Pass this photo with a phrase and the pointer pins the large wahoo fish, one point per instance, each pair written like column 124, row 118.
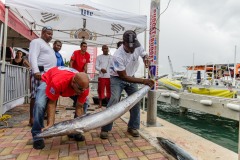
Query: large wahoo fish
column 99, row 119
column 176, row 151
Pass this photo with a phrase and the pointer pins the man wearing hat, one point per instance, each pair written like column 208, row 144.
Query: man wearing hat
column 122, row 69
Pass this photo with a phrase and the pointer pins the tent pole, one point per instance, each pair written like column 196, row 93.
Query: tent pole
column 3, row 61
column 144, row 69
column 1, row 33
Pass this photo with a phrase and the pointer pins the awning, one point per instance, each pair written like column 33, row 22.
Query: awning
column 19, row 35
column 75, row 20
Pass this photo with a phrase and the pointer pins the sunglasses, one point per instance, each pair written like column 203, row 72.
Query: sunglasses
column 47, row 28
column 78, row 86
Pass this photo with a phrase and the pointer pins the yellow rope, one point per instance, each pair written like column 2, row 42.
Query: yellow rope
column 4, row 118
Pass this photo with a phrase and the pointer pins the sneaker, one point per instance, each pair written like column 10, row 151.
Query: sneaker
column 103, row 135
column 79, row 137
column 39, row 144
column 133, row 132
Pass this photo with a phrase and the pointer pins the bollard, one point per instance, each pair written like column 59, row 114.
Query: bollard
column 152, row 108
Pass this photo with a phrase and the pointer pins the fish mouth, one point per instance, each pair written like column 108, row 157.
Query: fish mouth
column 160, row 139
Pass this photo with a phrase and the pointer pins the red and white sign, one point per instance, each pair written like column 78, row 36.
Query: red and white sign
column 91, row 66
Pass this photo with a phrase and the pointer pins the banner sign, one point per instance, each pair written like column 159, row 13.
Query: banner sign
column 154, row 38
column 91, row 66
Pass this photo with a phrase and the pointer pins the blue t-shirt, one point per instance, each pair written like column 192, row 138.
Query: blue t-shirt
column 59, row 59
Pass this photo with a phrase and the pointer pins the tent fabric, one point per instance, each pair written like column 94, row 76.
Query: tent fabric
column 18, row 33
column 75, row 20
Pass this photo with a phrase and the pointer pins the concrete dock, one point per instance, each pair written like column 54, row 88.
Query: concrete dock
column 16, row 143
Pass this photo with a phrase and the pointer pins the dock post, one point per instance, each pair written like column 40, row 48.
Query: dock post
column 239, row 137
column 152, row 108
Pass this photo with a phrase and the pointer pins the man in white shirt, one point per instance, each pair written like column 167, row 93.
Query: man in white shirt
column 102, row 65
column 123, row 66
column 42, row 58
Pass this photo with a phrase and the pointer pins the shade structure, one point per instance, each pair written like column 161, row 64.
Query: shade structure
column 76, row 20
column 19, row 34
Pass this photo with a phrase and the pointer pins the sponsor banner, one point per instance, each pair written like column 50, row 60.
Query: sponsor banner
column 154, row 37
column 153, row 69
column 91, row 66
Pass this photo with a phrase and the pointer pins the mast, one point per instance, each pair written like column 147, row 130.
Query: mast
column 171, row 67
column 234, row 71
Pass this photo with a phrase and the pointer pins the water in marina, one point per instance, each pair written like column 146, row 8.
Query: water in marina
column 221, row 131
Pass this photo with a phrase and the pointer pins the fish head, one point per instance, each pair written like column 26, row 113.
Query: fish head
column 60, row 129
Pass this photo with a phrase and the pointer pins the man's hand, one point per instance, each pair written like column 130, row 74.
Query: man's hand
column 148, row 82
column 37, row 76
column 48, row 126
column 103, row 70
column 146, row 61
column 79, row 109
column 51, row 110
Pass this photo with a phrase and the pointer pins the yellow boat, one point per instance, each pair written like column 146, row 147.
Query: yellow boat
column 211, row 91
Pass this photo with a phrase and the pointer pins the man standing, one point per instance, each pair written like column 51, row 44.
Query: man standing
column 41, row 58
column 57, row 45
column 102, row 65
column 80, row 58
column 79, row 61
column 122, row 69
column 58, row 81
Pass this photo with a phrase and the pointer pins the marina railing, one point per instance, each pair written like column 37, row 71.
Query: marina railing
column 16, row 84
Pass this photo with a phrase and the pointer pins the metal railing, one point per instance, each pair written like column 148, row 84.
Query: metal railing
column 16, row 84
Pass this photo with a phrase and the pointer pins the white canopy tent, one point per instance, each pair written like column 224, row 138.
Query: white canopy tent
column 77, row 20
column 72, row 21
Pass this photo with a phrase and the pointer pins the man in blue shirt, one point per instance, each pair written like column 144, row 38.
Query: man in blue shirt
column 57, row 45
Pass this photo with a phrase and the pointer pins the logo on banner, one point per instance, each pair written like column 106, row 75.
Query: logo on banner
column 86, row 10
column 117, row 27
column 83, row 34
column 46, row 17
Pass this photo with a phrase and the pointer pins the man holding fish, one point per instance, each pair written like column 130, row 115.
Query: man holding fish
column 58, row 81
column 122, row 69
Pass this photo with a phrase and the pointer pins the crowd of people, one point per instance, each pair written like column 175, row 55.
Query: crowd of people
column 51, row 79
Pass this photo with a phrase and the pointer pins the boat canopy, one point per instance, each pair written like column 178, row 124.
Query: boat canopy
column 76, row 20
column 214, row 67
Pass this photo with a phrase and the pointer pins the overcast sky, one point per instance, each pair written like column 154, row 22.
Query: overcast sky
column 209, row 29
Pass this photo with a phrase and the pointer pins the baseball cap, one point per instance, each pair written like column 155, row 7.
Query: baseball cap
column 131, row 38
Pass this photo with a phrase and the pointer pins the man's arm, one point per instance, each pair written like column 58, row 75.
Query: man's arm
column 79, row 109
column 85, row 67
column 51, row 109
column 97, row 66
column 34, row 51
column 71, row 63
column 123, row 75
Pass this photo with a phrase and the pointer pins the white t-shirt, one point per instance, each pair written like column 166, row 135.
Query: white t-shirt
column 41, row 54
column 103, row 61
column 126, row 61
